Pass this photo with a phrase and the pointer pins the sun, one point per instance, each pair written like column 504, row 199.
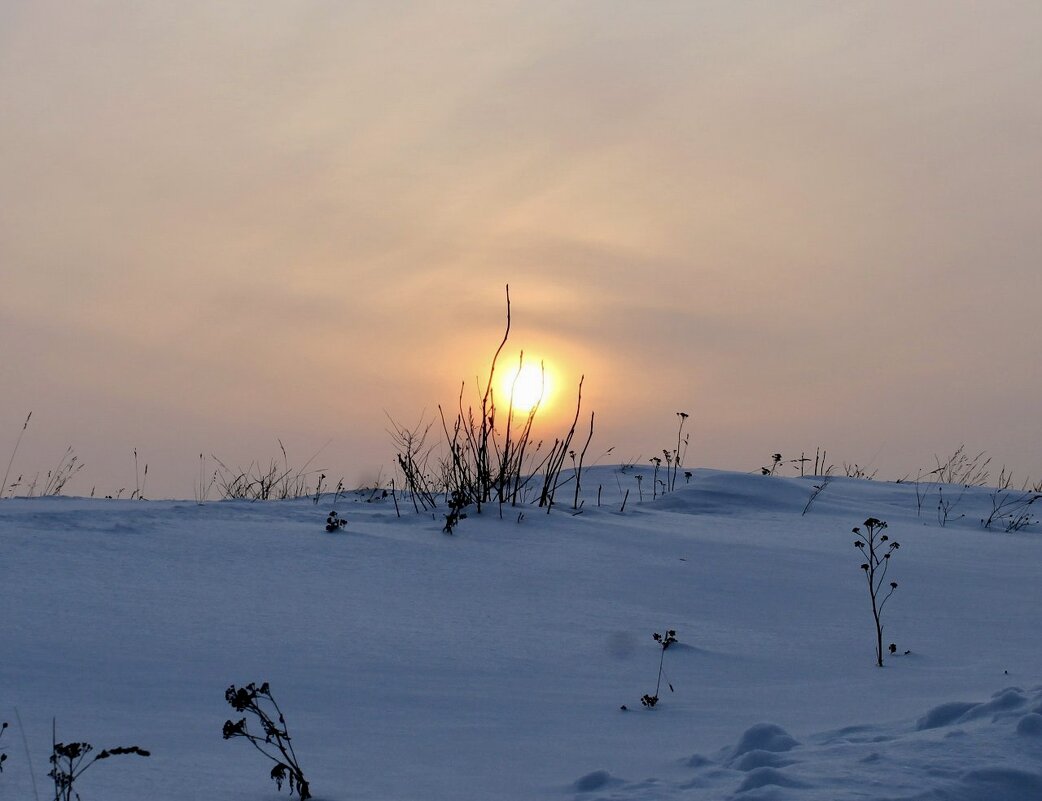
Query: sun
column 525, row 387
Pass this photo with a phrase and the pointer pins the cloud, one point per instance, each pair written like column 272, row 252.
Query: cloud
column 754, row 208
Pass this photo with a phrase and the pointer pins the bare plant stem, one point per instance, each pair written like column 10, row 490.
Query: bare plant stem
column 818, row 489
column 579, row 468
column 877, row 562
column 658, row 682
column 28, row 756
column 7, row 473
column 557, row 456
column 678, row 457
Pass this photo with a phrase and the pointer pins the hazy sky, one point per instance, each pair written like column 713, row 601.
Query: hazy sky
column 804, row 223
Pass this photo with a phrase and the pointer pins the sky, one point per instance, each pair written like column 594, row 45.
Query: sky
column 805, row 224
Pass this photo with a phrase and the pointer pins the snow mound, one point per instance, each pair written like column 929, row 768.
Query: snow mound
column 990, row 784
column 1003, row 701
column 698, row 761
column 595, row 780
column 714, row 492
column 763, row 777
column 764, row 737
column 944, row 715
column 982, row 758
column 490, row 666
column 1030, row 725
column 760, row 759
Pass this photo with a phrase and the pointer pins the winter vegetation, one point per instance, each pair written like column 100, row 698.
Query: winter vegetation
column 511, row 660
column 506, row 661
column 273, row 740
column 69, row 761
column 589, row 538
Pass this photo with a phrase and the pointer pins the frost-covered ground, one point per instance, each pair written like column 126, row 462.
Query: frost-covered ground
column 492, row 664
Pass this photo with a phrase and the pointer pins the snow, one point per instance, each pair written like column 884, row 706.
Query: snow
column 493, row 664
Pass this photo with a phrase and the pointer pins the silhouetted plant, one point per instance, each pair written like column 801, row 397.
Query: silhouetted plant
column 318, row 489
column 961, row 468
column 920, row 493
column 775, row 461
column 816, row 491
column 490, row 456
column 1010, row 510
column 14, row 452
column 334, row 522
column 946, row 506
column 139, row 481
column 876, row 547
column 577, row 469
column 457, row 503
column 856, row 471
column 258, row 701
column 821, row 464
column 680, row 452
column 413, row 459
column 278, row 481
column 202, row 487
column 54, row 481
column 554, row 461
column 664, row 640
column 70, row 760
column 3, row 756
column 654, row 476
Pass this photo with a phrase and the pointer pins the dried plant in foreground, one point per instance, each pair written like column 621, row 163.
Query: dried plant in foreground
column 876, row 548
column 335, row 522
column 664, row 640
column 258, row 702
column 70, row 760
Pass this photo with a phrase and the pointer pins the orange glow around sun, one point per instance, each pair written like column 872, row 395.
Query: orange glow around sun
column 525, row 386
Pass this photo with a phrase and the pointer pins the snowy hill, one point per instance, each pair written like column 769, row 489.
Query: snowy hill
column 493, row 664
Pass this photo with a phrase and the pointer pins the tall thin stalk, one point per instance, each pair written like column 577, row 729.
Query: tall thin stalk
column 678, row 457
column 579, row 467
column 664, row 640
column 7, row 472
column 251, row 699
column 876, row 548
column 558, row 452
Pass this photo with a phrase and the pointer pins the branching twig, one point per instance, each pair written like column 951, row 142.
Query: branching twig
column 252, row 699
column 877, row 554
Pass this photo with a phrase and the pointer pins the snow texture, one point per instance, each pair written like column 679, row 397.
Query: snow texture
column 493, row 664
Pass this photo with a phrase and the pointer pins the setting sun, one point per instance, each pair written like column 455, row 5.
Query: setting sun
column 526, row 387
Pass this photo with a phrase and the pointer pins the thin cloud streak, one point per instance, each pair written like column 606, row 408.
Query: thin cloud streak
column 810, row 223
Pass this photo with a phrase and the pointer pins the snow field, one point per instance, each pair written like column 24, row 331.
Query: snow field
column 492, row 664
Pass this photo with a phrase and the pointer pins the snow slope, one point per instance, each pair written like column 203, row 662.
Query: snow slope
column 492, row 664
